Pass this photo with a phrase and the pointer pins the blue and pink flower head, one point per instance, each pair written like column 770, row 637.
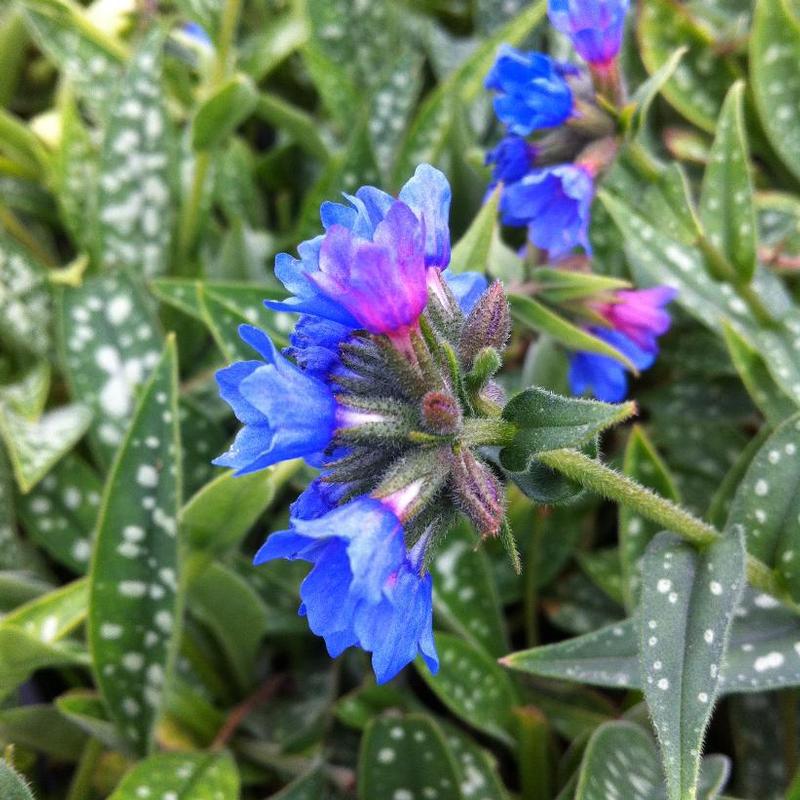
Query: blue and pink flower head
column 370, row 274
column 552, row 198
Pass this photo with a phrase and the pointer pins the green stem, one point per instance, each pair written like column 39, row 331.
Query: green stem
column 531, row 587
column 479, row 431
column 533, row 758
column 611, row 484
column 81, row 786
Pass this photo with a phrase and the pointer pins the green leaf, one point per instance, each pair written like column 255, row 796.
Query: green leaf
column 300, row 125
column 235, row 615
column 767, row 504
column 561, row 285
column 34, row 447
column 477, row 769
column 90, row 58
column 462, row 574
column 135, row 598
column 774, row 53
column 27, row 396
column 701, row 79
column 307, row 787
column 473, row 248
column 134, row 195
column 727, row 209
column 547, row 421
column 87, row 710
column 773, row 402
column 24, row 300
column 621, row 754
column 472, row 686
column 270, row 46
column 647, row 92
column 109, row 341
column 40, row 727
column 642, row 463
column 223, row 511
column 602, row 567
column 688, row 603
column 223, row 112
column 534, row 315
column 181, row 776
column 406, row 755
column 60, row 512
column 12, row 785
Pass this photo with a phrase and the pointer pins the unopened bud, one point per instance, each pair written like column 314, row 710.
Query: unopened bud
column 488, row 325
column 412, row 481
column 478, row 493
column 441, row 412
column 359, row 418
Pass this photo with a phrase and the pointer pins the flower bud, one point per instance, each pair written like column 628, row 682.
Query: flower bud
column 488, row 325
column 478, row 493
column 441, row 412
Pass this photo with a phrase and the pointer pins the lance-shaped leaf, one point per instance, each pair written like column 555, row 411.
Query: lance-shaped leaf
column 701, row 79
column 24, row 300
column 538, row 317
column 60, row 512
column 472, row 250
column 477, row 770
column 642, row 463
column 181, row 776
column 767, row 504
column 35, row 446
column 647, row 92
column 472, row 686
column 547, row 421
column 12, row 784
column 88, row 711
column 774, row 55
column 408, row 756
column 222, row 113
column 560, row 285
column 462, row 574
column 109, row 342
column 726, row 201
column 135, row 598
column 770, row 398
column 687, row 606
column 134, row 200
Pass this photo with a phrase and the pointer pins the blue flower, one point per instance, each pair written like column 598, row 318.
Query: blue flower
column 532, row 91
column 368, row 269
column 365, row 588
column 601, row 375
column 595, row 27
column 467, row 287
column 554, row 202
column 286, row 413
column 511, row 159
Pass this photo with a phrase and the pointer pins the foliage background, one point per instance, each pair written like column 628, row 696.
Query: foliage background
column 146, row 180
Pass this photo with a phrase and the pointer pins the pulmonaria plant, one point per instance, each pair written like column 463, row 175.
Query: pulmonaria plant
column 386, row 388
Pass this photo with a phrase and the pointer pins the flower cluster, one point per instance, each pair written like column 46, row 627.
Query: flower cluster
column 549, row 182
column 387, row 389
column 558, row 139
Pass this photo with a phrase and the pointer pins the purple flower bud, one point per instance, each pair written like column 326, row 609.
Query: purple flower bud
column 488, row 325
column 532, row 91
column 441, row 412
column 595, row 27
column 478, row 493
column 554, row 202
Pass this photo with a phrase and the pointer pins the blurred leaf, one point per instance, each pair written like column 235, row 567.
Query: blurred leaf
column 24, row 300
column 726, row 201
column 221, row 114
column 181, row 776
column 647, row 92
column 40, row 727
column 547, row 421
column 306, row 787
column 701, row 79
column 235, row 615
column 88, row 711
column 472, row 686
column 477, row 769
column 406, row 754
column 767, row 504
column 135, row 604
column 109, row 341
column 34, row 447
column 462, row 574
column 534, row 315
column 60, row 512
column 222, row 512
column 134, row 195
column 774, row 52
column 560, row 285
column 268, row 47
column 27, row 396
column 687, row 606
column 473, row 248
